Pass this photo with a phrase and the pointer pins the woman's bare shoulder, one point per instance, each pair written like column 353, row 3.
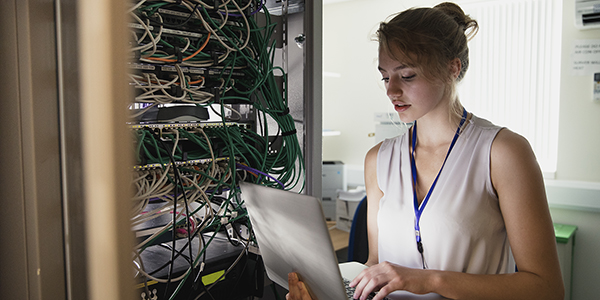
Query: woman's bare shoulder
column 509, row 145
column 514, row 165
column 371, row 157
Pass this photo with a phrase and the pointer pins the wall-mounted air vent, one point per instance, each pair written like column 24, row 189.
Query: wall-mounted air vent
column 587, row 14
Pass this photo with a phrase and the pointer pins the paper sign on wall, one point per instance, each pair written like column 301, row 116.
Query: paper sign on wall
column 585, row 57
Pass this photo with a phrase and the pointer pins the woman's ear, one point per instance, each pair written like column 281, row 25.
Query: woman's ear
column 455, row 67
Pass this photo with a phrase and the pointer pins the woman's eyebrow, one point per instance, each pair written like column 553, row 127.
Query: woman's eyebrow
column 400, row 67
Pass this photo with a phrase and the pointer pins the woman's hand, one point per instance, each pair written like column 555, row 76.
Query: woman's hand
column 386, row 277
column 298, row 289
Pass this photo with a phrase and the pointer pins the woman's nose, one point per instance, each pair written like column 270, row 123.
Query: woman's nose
column 394, row 89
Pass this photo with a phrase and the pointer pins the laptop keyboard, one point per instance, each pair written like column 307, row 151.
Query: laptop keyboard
column 350, row 291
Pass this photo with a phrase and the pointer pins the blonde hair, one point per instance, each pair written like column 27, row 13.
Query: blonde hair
column 429, row 39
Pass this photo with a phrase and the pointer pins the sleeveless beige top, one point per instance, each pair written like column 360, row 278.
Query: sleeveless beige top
column 462, row 228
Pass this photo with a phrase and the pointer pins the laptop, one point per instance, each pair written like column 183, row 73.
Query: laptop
column 292, row 236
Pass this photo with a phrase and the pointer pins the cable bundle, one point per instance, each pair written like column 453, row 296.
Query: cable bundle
column 211, row 54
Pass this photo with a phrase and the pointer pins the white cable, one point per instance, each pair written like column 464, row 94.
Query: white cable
column 136, row 6
column 153, row 39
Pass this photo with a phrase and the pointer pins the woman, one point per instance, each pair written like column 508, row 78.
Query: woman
column 447, row 198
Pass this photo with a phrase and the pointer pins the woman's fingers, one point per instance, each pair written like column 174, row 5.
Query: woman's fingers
column 293, row 286
column 297, row 288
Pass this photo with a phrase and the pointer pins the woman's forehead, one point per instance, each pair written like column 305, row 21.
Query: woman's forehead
column 386, row 54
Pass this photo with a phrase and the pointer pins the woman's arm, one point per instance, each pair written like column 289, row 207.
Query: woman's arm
column 374, row 194
column 519, row 184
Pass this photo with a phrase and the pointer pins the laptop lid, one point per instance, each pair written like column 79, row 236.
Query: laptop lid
column 292, row 236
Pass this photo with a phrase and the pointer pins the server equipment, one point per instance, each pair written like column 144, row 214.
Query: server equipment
column 210, row 110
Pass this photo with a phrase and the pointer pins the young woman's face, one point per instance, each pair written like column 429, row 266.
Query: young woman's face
column 412, row 95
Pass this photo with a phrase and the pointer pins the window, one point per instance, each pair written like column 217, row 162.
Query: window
column 514, row 74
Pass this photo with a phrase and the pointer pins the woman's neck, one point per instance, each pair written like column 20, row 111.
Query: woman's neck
column 436, row 129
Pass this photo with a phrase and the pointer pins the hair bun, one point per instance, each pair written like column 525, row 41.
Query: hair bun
column 455, row 12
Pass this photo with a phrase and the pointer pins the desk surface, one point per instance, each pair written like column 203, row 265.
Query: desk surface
column 339, row 238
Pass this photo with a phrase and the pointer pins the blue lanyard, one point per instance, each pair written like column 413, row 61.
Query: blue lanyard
column 419, row 210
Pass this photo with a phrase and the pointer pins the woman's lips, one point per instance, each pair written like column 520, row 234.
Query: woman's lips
column 401, row 107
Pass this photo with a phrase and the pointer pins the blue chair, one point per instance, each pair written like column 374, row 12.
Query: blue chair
column 358, row 244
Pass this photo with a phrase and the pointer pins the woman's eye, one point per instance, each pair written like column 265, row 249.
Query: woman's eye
column 385, row 79
column 409, row 77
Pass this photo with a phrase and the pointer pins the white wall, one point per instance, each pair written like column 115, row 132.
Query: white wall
column 579, row 133
column 350, row 101
column 578, row 159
